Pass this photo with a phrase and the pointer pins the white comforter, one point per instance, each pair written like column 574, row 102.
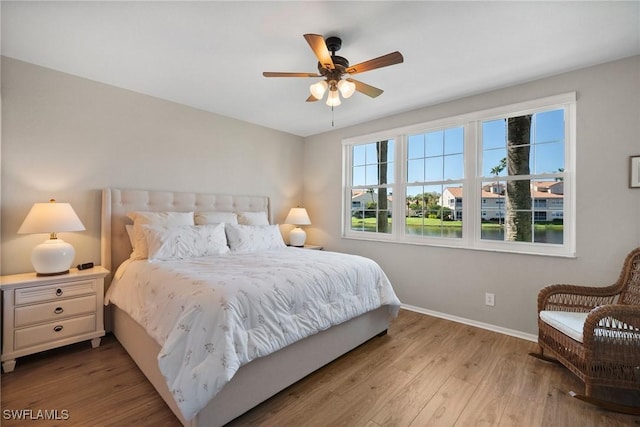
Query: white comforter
column 212, row 315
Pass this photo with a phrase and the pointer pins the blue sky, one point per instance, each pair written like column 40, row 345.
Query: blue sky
column 438, row 155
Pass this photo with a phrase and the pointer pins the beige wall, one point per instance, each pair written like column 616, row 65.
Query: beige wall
column 454, row 281
column 67, row 138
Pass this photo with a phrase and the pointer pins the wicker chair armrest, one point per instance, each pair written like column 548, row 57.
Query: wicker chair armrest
column 565, row 297
column 615, row 329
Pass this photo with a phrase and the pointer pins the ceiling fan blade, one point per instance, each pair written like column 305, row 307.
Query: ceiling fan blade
column 277, row 74
column 379, row 62
column 319, row 47
column 366, row 89
column 312, row 98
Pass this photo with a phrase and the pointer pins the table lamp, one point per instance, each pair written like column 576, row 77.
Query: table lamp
column 54, row 256
column 297, row 216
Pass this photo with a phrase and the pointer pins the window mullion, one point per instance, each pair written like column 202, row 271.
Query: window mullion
column 471, row 186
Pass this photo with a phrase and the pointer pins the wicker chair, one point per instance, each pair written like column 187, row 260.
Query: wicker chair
column 603, row 347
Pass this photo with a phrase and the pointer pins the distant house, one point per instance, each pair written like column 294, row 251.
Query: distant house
column 548, row 201
column 360, row 199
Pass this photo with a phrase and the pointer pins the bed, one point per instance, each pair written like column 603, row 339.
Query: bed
column 263, row 375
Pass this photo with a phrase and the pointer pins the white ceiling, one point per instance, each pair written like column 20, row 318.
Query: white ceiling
column 211, row 55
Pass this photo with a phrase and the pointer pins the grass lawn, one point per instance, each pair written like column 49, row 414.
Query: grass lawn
column 434, row 222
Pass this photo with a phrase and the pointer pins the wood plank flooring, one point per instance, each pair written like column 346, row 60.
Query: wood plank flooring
column 425, row 372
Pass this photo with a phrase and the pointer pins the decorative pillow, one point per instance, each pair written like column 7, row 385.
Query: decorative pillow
column 253, row 238
column 129, row 228
column 185, row 241
column 253, row 218
column 167, row 219
column 202, row 218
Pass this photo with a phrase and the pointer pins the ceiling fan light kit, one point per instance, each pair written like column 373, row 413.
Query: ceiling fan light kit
column 333, row 68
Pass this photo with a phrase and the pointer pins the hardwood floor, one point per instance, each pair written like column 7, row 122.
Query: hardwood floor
column 426, row 371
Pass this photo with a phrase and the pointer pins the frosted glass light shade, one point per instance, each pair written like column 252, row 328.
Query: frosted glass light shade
column 53, row 256
column 333, row 100
column 346, row 88
column 318, row 89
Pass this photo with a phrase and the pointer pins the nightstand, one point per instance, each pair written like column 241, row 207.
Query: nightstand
column 45, row 312
column 313, row 247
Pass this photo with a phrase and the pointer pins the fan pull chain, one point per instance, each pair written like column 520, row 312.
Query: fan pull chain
column 332, row 116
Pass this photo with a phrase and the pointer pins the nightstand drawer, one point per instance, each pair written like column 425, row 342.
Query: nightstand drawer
column 51, row 311
column 53, row 292
column 54, row 331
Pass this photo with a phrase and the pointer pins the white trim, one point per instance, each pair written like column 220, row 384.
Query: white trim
column 481, row 325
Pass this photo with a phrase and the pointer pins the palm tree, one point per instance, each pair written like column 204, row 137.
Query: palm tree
column 496, row 170
column 383, row 213
column 519, row 218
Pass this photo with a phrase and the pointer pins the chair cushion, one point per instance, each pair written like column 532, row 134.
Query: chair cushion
column 568, row 323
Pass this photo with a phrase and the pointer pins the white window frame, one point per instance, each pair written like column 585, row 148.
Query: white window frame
column 471, row 182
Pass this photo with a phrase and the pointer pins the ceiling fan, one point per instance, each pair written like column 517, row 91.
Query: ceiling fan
column 333, row 68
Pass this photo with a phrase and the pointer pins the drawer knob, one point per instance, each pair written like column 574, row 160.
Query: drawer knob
column 58, row 310
column 57, row 328
column 58, row 292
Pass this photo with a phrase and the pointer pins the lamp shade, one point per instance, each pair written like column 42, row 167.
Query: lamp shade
column 298, row 216
column 53, row 256
column 51, row 217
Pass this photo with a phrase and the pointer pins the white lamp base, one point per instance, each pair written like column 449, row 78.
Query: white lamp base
column 297, row 237
column 52, row 257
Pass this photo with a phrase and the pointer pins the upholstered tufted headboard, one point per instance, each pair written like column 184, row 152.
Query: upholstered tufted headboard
column 116, row 203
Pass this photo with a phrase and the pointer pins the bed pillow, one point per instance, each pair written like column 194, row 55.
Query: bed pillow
column 253, row 218
column 167, row 219
column 202, row 218
column 253, row 238
column 184, row 241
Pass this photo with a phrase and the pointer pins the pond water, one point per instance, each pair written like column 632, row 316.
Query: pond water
column 540, row 236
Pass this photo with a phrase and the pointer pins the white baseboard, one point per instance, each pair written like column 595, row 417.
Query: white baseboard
column 487, row 326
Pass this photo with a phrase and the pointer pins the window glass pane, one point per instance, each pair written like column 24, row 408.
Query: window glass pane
column 434, row 211
column 435, row 144
column 390, row 173
column 549, row 126
column 494, row 134
column 415, row 170
column 493, row 210
column 433, row 169
column 453, row 167
column 359, row 175
column 415, row 147
column 494, row 162
column 358, row 155
column 547, row 158
column 371, row 153
column 454, row 141
column 371, row 210
column 390, row 150
column 371, row 175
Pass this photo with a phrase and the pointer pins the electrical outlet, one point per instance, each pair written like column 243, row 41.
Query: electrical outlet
column 489, row 299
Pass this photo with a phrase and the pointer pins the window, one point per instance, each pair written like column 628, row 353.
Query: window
column 499, row 179
column 371, row 186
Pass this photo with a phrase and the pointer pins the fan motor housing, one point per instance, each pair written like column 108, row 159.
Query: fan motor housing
column 339, row 62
